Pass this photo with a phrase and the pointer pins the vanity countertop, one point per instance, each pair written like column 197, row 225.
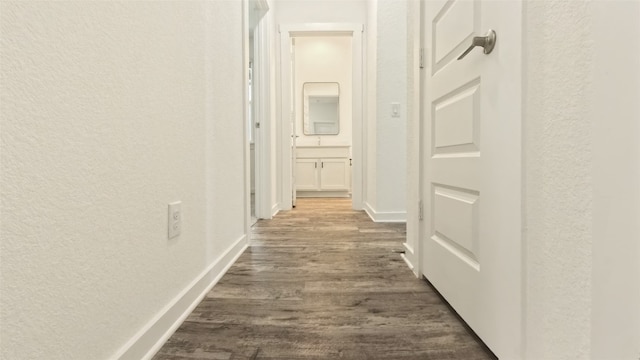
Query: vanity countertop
column 323, row 151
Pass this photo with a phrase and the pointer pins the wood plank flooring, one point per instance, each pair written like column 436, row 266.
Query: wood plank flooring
column 321, row 282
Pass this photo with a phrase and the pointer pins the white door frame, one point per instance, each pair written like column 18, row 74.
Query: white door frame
column 284, row 134
column 246, row 115
column 262, row 115
column 294, row 130
column 413, row 245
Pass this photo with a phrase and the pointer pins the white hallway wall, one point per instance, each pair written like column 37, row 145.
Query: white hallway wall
column 370, row 111
column 109, row 112
column 386, row 144
column 320, row 11
column 582, row 170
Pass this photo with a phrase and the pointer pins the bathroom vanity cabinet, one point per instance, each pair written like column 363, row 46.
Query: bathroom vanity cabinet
column 323, row 171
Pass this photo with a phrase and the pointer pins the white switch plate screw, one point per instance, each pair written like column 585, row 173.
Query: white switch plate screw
column 175, row 219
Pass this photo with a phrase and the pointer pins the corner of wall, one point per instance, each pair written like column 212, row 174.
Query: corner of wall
column 391, row 87
column 388, row 217
column 160, row 328
column 410, row 259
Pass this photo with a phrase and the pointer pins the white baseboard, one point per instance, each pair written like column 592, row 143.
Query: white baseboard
column 408, row 248
column 398, row 216
column 409, row 257
column 275, row 209
column 368, row 209
column 152, row 336
column 406, row 260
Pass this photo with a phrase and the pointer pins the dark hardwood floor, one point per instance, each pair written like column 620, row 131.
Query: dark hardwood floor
column 321, row 282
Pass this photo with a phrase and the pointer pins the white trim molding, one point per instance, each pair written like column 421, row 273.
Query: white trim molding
column 262, row 113
column 156, row 332
column 409, row 264
column 410, row 258
column 323, row 194
column 390, row 216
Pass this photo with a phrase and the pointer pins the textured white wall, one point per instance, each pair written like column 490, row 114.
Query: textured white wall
column 111, row 110
column 391, row 86
column 558, row 184
column 582, row 170
column 370, row 113
column 616, row 181
column 325, row 59
column 320, row 11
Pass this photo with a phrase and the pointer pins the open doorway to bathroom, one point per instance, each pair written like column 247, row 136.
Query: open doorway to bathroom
column 323, row 101
column 321, row 75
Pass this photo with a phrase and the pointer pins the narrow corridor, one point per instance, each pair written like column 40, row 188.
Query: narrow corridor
column 321, row 282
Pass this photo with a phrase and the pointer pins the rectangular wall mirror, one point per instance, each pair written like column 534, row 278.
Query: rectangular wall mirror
column 321, row 108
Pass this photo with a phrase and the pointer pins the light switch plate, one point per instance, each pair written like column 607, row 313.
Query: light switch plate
column 395, row 109
column 175, row 219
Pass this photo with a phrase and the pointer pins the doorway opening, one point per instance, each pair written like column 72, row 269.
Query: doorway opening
column 322, row 86
column 321, row 77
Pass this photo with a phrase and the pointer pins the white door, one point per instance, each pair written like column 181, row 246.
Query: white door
column 294, row 134
column 471, row 251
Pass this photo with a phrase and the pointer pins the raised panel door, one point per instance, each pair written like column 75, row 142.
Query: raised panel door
column 307, row 175
column 334, row 175
column 471, row 251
